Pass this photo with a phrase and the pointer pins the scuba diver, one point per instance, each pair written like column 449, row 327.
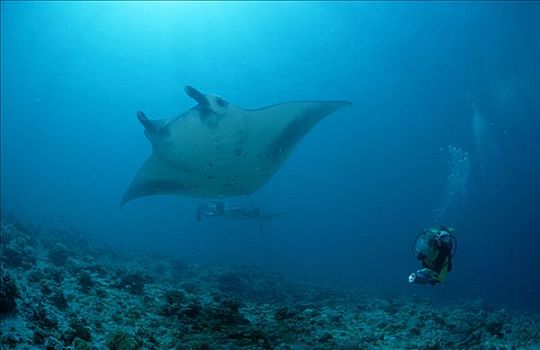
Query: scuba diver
column 210, row 209
column 435, row 247
column 219, row 208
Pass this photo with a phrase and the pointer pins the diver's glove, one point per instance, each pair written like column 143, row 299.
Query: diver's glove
column 424, row 276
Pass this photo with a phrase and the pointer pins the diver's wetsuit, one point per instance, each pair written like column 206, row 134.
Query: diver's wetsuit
column 441, row 263
column 436, row 258
column 440, row 260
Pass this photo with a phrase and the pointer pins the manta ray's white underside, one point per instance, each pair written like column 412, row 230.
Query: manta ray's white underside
column 219, row 150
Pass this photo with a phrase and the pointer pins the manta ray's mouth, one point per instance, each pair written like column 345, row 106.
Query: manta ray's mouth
column 196, row 95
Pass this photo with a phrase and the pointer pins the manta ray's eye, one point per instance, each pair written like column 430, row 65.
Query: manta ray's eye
column 221, row 102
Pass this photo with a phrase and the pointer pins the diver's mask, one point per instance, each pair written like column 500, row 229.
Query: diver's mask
column 444, row 238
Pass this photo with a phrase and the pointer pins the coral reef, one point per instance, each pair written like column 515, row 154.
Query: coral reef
column 8, row 293
column 58, row 294
column 133, row 282
column 58, row 254
column 120, row 340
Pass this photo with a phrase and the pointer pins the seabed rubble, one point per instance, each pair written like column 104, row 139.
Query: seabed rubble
column 61, row 290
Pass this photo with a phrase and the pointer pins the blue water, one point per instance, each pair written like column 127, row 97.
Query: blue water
column 444, row 129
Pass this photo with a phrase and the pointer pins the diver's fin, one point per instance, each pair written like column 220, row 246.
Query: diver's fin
column 258, row 217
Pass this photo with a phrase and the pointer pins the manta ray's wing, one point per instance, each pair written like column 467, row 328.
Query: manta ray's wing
column 273, row 134
column 153, row 178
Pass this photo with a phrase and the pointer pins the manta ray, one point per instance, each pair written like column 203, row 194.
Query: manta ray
column 217, row 150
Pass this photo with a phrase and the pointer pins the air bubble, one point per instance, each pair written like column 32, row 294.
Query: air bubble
column 459, row 165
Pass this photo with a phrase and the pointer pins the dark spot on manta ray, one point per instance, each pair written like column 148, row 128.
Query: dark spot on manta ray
column 210, row 164
column 237, row 152
column 210, row 177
